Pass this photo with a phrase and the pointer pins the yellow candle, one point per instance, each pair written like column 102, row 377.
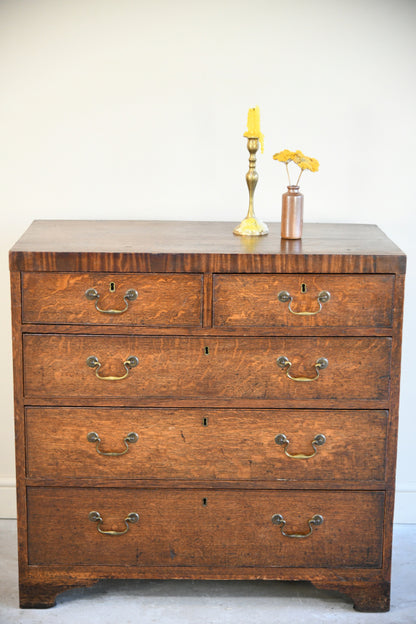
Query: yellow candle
column 253, row 126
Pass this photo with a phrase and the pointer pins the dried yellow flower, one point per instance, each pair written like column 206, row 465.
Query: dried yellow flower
column 315, row 164
column 285, row 156
column 303, row 162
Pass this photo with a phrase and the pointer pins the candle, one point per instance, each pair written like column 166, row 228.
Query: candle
column 253, row 126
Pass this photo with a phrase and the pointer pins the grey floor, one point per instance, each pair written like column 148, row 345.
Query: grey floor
column 208, row 602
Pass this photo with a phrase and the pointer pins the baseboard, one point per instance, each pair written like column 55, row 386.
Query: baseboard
column 405, row 507
column 7, row 497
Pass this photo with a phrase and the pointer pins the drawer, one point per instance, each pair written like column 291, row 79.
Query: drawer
column 194, row 367
column 205, row 444
column 204, row 528
column 155, row 300
column 253, row 300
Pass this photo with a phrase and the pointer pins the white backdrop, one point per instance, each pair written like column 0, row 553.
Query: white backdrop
column 133, row 109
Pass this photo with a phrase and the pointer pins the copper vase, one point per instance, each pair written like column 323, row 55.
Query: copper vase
column 292, row 213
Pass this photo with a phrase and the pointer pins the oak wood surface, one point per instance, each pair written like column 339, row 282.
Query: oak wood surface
column 41, row 583
column 206, row 444
column 19, row 424
column 252, row 300
column 137, row 246
column 135, row 330
column 233, row 528
column 163, row 299
column 223, row 368
column 356, row 399
column 371, row 597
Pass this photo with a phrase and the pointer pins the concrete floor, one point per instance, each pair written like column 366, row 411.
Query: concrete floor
column 208, row 602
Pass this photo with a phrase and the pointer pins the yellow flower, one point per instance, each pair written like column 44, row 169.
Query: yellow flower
column 305, row 162
column 285, row 156
column 315, row 164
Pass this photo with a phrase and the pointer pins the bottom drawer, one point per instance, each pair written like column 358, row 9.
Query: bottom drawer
column 218, row 528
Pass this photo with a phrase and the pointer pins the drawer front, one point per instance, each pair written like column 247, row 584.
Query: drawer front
column 191, row 367
column 252, row 300
column 205, row 444
column 204, row 528
column 163, row 299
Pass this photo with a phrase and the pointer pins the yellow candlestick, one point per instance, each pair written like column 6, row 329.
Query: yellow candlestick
column 253, row 126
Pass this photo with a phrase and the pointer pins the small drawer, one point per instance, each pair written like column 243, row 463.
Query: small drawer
column 188, row 367
column 202, row 444
column 141, row 299
column 303, row 300
column 218, row 528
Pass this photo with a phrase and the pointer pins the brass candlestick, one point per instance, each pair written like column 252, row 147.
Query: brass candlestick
column 251, row 226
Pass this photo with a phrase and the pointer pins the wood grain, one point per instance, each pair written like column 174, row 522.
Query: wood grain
column 163, row 299
column 188, row 276
column 159, row 246
column 251, row 301
column 373, row 597
column 206, row 444
column 176, row 529
column 182, row 367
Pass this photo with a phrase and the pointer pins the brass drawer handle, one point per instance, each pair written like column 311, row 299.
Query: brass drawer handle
column 95, row 516
column 323, row 297
column 285, row 364
column 315, row 521
column 318, row 440
column 92, row 294
column 130, row 438
column 131, row 362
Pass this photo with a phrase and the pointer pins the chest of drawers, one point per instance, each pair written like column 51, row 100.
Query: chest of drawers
column 191, row 404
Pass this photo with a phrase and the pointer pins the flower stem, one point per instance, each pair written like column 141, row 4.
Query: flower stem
column 297, row 181
column 287, row 170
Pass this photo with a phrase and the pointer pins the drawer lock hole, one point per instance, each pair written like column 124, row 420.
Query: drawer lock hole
column 112, row 287
column 204, row 502
column 205, row 421
column 206, row 350
column 303, row 288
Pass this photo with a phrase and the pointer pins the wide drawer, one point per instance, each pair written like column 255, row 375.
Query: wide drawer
column 193, row 367
column 253, row 300
column 204, row 444
column 204, row 528
column 142, row 299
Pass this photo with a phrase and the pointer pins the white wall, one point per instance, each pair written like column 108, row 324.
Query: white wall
column 135, row 110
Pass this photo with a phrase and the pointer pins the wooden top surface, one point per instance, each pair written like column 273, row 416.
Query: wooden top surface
column 201, row 246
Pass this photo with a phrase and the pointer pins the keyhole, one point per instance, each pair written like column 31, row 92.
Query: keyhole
column 204, row 502
column 206, row 350
column 112, row 287
column 205, row 421
column 303, row 288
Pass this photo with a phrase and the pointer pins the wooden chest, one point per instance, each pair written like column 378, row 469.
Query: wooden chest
column 193, row 405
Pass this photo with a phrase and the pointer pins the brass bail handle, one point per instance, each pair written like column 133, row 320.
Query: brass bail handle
column 131, row 518
column 318, row 440
column 94, row 438
column 285, row 297
column 315, row 521
column 93, row 362
column 285, row 364
column 93, row 295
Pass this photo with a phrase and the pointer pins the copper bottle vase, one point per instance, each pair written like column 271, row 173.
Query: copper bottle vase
column 292, row 213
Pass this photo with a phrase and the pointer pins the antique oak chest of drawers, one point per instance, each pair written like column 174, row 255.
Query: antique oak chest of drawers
column 193, row 405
